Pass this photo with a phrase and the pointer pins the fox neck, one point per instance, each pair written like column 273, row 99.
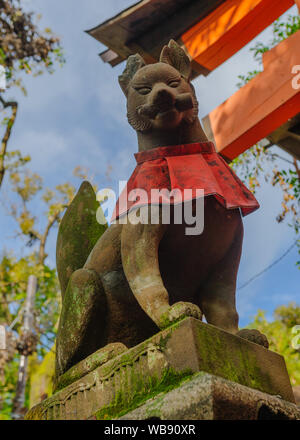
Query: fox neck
column 183, row 134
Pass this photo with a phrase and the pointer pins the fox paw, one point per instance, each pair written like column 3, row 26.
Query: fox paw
column 178, row 311
column 254, row 336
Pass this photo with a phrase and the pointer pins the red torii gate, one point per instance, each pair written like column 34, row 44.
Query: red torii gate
column 211, row 32
column 256, row 110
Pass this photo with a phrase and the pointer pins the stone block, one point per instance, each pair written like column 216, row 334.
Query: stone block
column 208, row 397
column 120, row 384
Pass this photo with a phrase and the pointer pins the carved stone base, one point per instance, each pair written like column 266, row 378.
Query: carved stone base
column 208, row 397
column 162, row 363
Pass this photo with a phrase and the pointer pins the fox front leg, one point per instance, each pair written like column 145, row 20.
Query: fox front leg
column 139, row 251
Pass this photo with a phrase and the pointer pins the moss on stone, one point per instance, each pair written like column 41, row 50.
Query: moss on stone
column 123, row 403
column 78, row 233
column 237, row 363
column 151, row 369
column 89, row 364
column 36, row 413
column 163, row 342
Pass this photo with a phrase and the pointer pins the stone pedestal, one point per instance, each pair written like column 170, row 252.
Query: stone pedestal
column 208, row 397
column 217, row 374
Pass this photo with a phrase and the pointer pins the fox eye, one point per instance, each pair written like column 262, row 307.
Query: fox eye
column 143, row 90
column 174, row 83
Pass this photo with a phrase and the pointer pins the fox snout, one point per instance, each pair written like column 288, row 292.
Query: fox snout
column 163, row 100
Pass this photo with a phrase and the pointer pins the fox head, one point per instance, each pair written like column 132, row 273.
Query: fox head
column 160, row 96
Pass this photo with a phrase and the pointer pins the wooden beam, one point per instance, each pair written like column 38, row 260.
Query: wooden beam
column 229, row 28
column 298, row 4
column 261, row 106
column 149, row 24
column 176, row 24
column 287, row 137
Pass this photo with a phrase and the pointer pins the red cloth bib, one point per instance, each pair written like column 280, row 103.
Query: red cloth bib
column 189, row 166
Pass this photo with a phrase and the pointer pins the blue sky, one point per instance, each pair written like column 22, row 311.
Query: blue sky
column 77, row 116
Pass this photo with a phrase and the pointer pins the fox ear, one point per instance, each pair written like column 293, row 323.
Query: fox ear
column 174, row 55
column 134, row 63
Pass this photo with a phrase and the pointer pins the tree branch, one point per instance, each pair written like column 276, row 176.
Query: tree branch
column 5, row 139
column 296, row 166
column 282, row 158
column 52, row 220
column 5, row 308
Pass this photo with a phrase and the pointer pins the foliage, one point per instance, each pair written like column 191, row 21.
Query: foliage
column 288, row 315
column 27, row 186
column 258, row 160
column 14, row 273
column 24, row 49
column 41, row 377
column 279, row 334
column 281, row 31
column 8, row 387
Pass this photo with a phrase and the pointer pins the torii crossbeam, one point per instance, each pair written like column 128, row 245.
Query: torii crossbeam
column 211, row 32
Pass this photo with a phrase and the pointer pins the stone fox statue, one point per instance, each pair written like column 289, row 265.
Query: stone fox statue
column 139, row 278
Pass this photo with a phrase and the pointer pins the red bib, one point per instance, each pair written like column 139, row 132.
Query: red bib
column 182, row 167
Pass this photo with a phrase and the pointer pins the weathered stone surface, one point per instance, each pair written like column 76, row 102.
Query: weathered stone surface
column 89, row 364
column 161, row 363
column 109, row 388
column 78, row 233
column 84, row 302
column 208, row 397
column 296, row 391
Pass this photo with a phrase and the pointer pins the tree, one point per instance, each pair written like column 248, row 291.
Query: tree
column 14, row 274
column 23, row 49
column 41, row 378
column 27, row 185
column 280, row 335
column 256, row 161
